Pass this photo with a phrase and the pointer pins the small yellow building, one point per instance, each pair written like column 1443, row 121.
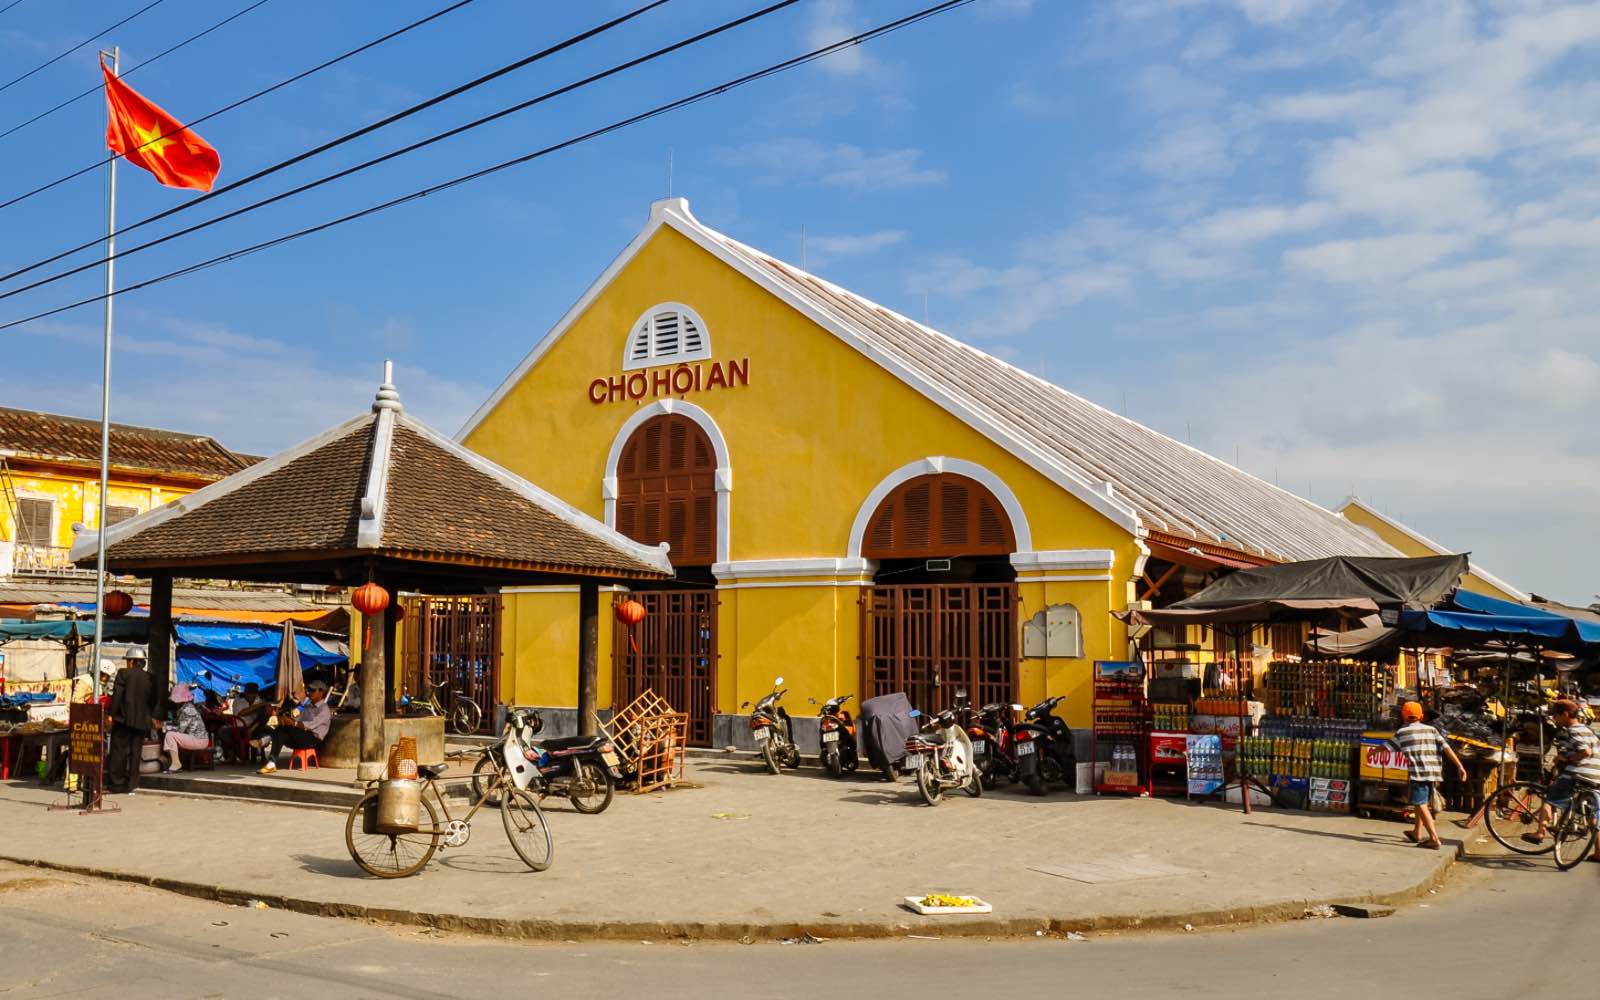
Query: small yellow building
column 50, row 480
column 1412, row 543
column 852, row 500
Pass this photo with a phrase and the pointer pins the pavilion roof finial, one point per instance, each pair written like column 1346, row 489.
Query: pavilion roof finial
column 388, row 396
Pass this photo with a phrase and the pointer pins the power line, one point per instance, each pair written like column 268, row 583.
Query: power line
column 246, row 100
column 404, row 150
column 97, row 88
column 615, row 126
column 351, row 136
column 86, row 41
column 10, row 5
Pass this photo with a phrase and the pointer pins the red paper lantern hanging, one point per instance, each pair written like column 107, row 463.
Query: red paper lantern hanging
column 397, row 611
column 369, row 598
column 118, row 603
column 630, row 613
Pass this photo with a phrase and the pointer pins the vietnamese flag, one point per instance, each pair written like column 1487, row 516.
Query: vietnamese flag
column 148, row 137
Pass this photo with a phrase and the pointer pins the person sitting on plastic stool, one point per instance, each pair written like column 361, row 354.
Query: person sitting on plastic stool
column 187, row 731
column 304, row 728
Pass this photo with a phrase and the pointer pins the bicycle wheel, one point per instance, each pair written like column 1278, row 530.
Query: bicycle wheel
column 1512, row 811
column 1574, row 833
column 526, row 829
column 465, row 717
column 485, row 776
column 389, row 855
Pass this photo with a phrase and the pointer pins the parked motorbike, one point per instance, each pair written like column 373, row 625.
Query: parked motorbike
column 839, row 754
column 941, row 756
column 993, row 746
column 772, row 730
column 1043, row 747
column 584, row 770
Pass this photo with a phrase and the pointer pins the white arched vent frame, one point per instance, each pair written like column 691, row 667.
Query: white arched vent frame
column 665, row 334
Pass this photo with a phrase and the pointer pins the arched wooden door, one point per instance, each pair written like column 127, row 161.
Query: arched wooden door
column 932, row 639
column 666, row 492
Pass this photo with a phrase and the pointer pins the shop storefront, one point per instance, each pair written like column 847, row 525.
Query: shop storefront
column 852, row 500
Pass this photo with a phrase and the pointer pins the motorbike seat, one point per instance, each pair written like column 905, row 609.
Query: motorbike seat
column 937, row 739
column 431, row 770
column 561, row 743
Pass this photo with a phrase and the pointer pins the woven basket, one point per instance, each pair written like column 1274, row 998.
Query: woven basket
column 403, row 759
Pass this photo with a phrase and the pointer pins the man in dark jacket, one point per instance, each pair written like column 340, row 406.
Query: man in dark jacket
column 132, row 700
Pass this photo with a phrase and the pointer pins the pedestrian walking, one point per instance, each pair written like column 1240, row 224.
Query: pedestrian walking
column 1423, row 745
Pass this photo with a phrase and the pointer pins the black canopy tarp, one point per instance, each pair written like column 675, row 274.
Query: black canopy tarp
column 1317, row 589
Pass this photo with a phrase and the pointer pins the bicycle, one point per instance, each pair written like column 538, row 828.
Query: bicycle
column 396, row 855
column 1577, row 828
column 1512, row 811
column 464, row 716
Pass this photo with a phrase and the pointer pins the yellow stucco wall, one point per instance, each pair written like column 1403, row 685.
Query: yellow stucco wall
column 76, row 495
column 1358, row 514
column 815, row 430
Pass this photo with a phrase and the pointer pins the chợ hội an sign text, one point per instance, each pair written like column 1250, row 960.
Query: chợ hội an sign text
column 670, row 380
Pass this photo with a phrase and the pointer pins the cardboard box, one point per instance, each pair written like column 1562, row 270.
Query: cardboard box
column 1124, row 779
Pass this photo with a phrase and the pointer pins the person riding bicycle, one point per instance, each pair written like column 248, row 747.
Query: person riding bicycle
column 1578, row 756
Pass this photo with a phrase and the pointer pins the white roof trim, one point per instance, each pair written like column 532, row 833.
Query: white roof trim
column 84, row 545
column 1060, row 559
column 747, row 569
column 1424, row 540
column 369, row 529
column 655, row 556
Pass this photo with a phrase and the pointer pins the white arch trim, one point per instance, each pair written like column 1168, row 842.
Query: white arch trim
column 933, row 466
column 719, row 447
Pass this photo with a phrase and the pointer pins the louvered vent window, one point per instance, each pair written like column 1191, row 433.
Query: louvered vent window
column 667, row 334
column 939, row 515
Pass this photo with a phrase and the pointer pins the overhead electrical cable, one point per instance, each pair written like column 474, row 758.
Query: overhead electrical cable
column 98, row 88
column 52, row 61
column 404, row 150
column 358, row 133
column 10, row 5
column 97, row 164
column 657, row 111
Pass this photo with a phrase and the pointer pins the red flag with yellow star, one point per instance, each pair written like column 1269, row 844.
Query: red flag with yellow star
column 148, row 137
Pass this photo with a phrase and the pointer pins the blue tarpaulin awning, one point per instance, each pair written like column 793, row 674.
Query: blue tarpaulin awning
column 1473, row 615
column 217, row 657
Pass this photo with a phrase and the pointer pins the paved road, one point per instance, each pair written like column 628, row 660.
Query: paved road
column 1493, row 931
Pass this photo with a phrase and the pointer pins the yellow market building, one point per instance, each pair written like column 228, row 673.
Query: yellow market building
column 1412, row 543
column 852, row 500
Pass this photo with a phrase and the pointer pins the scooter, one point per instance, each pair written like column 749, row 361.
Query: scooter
column 839, row 754
column 1043, row 747
column 996, row 755
column 773, row 732
column 584, row 770
column 942, row 758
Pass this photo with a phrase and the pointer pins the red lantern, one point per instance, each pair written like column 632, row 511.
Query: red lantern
column 630, row 613
column 369, row 598
column 397, row 611
column 118, row 603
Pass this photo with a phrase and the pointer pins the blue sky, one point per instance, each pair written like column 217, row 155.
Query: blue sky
column 1350, row 246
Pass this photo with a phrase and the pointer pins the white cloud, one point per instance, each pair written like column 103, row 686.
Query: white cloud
column 1278, row 11
column 1210, row 43
column 1334, row 106
column 1374, row 258
column 1199, row 149
column 1257, row 223
column 796, row 160
column 832, row 20
column 857, row 244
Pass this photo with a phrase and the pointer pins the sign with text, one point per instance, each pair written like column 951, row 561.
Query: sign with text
column 678, row 380
column 87, row 740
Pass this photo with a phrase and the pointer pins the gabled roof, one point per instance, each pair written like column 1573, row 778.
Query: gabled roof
column 1137, row 477
column 1432, row 546
column 382, row 483
column 51, row 437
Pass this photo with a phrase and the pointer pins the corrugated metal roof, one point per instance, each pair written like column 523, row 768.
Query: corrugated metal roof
column 1173, row 487
column 192, row 598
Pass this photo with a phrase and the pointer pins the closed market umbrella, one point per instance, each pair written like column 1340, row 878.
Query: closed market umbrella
column 291, row 681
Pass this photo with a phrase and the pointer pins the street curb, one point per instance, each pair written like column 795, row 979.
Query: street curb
column 744, row 932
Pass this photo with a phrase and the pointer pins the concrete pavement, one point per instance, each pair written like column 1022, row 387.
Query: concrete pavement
column 749, row 855
column 1508, row 928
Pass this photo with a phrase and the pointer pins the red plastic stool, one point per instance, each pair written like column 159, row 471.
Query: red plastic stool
column 306, row 758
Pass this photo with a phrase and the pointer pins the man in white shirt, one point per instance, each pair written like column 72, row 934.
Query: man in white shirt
column 304, row 728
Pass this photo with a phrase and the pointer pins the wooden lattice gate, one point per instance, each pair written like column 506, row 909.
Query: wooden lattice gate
column 676, row 655
column 455, row 639
column 929, row 640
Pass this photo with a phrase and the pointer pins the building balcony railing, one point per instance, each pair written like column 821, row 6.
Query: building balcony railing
column 42, row 560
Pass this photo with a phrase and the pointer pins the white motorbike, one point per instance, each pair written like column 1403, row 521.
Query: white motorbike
column 942, row 758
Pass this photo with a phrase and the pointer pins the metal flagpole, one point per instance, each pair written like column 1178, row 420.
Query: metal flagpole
column 105, row 400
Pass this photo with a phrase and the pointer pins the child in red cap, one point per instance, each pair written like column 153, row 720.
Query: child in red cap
column 1422, row 744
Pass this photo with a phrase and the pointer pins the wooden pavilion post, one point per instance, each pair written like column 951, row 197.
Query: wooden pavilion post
column 159, row 637
column 390, row 666
column 588, row 656
column 374, row 658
